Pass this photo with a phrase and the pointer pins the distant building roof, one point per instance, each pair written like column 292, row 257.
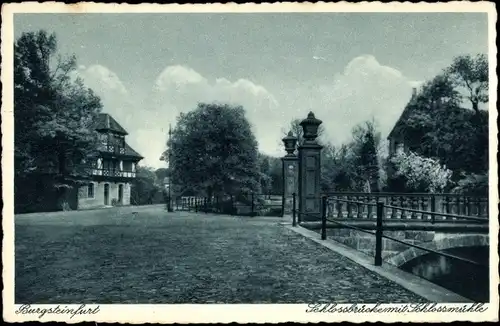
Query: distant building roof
column 107, row 122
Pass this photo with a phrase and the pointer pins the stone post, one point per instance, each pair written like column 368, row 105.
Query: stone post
column 310, row 171
column 290, row 173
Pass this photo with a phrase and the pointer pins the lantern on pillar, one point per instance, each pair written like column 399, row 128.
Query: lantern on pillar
column 290, row 142
column 310, row 127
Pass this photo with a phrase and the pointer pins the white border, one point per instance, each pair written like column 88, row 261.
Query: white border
column 244, row 313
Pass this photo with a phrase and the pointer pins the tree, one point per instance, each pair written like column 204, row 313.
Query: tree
column 368, row 159
column 214, row 151
column 365, row 144
column 329, row 168
column 145, row 186
column 161, row 174
column 436, row 126
column 355, row 165
column 54, row 116
column 276, row 175
column 473, row 185
column 265, row 173
column 339, row 168
column 471, row 73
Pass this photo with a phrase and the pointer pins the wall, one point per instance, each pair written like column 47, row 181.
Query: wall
column 84, row 202
column 366, row 242
column 126, row 194
column 464, row 278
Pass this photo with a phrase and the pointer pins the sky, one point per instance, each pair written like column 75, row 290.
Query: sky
column 345, row 67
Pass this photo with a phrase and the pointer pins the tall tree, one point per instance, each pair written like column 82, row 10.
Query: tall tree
column 366, row 141
column 369, row 162
column 471, row 73
column 436, row 126
column 214, row 151
column 54, row 113
column 440, row 124
column 339, row 169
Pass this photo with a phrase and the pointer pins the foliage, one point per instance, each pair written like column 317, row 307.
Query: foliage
column 54, row 114
column 368, row 161
column 421, row 174
column 353, row 166
column 161, row 174
column 276, row 175
column 145, row 188
column 435, row 125
column 271, row 174
column 473, row 185
column 214, row 151
column 265, row 173
column 471, row 73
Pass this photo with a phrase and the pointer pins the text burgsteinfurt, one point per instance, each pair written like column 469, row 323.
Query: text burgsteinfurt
column 26, row 309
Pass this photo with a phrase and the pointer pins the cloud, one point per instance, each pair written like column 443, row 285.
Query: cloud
column 177, row 76
column 118, row 101
column 365, row 89
column 101, row 78
column 179, row 88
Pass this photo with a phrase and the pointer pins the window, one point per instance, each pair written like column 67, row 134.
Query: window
column 121, row 141
column 103, row 138
column 127, row 166
column 90, row 190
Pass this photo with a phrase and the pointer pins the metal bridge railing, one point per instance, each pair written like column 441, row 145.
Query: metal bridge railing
column 244, row 204
column 379, row 226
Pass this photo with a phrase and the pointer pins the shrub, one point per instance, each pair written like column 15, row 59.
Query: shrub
column 473, row 185
column 421, row 174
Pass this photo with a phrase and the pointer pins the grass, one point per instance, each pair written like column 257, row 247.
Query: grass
column 146, row 255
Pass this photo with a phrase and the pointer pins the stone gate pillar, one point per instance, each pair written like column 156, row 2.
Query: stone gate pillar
column 290, row 173
column 310, row 171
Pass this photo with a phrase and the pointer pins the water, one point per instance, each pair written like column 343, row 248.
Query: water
column 463, row 278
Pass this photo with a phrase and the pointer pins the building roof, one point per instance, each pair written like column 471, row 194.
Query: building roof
column 129, row 151
column 107, row 122
column 404, row 114
column 395, row 129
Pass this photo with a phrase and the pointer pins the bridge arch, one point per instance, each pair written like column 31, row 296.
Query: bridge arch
column 440, row 243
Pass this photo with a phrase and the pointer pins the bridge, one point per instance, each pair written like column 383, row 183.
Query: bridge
column 443, row 238
column 436, row 244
